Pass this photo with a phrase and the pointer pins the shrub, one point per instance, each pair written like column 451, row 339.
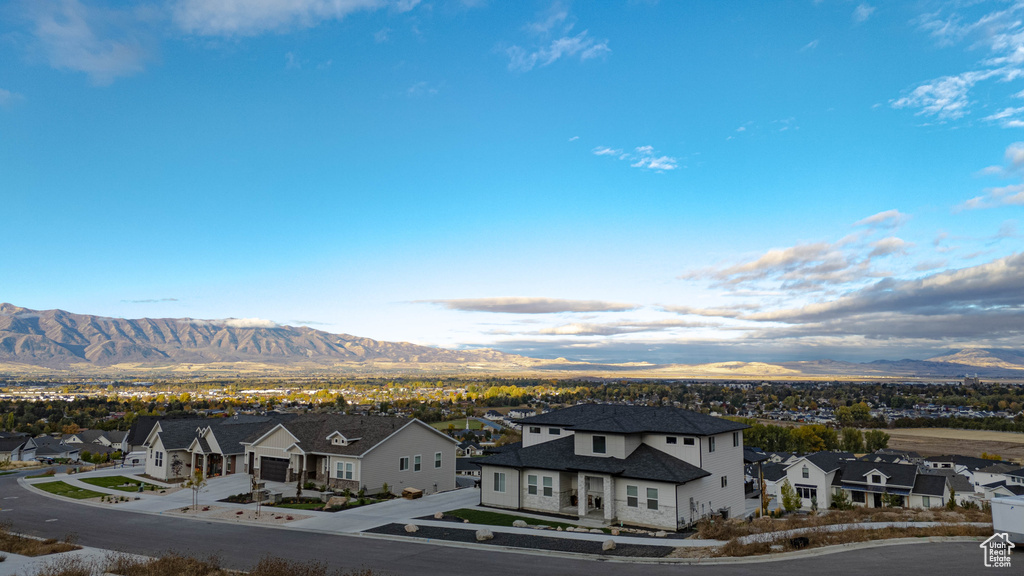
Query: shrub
column 790, row 499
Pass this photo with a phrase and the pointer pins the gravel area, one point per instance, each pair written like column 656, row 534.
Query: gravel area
column 526, row 541
column 267, row 515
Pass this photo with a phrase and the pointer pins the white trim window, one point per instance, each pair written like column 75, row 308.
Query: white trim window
column 632, row 496
column 416, row 463
column 437, row 459
column 600, row 444
column 652, row 498
column 725, row 481
column 345, row 470
column 403, row 463
column 549, row 489
column 531, row 484
column 711, row 444
column 735, row 439
column 158, row 459
column 499, row 481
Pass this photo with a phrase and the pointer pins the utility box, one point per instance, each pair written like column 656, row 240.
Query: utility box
column 1008, row 517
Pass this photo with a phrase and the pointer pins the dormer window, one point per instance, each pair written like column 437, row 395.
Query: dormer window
column 876, row 478
column 599, row 445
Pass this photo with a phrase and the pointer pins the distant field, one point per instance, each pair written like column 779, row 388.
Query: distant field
column 936, row 441
column 459, row 424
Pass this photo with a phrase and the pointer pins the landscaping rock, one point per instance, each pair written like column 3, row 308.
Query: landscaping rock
column 596, row 531
column 559, row 528
column 615, row 531
column 411, row 528
column 608, row 545
column 660, row 534
column 519, row 524
column 336, row 501
column 776, row 547
column 465, row 521
column 484, row 534
column 438, row 515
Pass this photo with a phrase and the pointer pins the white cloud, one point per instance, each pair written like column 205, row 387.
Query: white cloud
column 527, row 305
column 809, row 46
column 944, row 98
column 7, row 97
column 862, row 12
column 247, row 323
column 1010, row 195
column 247, row 18
column 581, row 45
column 103, row 43
column 640, row 157
column 574, row 138
column 421, row 88
column 887, row 219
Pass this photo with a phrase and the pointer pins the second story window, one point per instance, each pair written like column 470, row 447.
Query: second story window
column 403, row 463
column 805, row 472
column 534, row 429
column 711, row 443
column 671, row 440
column 688, row 441
column 876, row 479
column 554, row 431
column 599, row 445
column 735, row 439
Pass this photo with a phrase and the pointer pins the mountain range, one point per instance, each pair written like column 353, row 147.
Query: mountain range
column 56, row 340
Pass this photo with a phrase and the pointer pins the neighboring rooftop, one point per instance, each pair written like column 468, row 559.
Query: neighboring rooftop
column 625, row 419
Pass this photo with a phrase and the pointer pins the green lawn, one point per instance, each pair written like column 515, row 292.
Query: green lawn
column 459, row 424
column 117, row 483
column 499, row 519
column 65, row 489
column 39, row 476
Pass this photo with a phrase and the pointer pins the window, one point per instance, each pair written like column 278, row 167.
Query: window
column 858, row 497
column 725, row 481
column 437, row 460
column 534, row 429
column 671, row 440
column 807, row 492
column 554, row 431
column 926, row 501
column 688, row 441
column 159, row 459
column 499, row 481
column 805, row 472
column 403, row 463
column 652, row 498
column 876, row 479
column 711, row 443
column 632, row 498
column 345, row 470
column 548, row 486
column 416, row 463
column 599, row 445
column 735, row 439
column 531, row 484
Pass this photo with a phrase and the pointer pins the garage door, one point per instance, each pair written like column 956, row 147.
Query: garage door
column 273, row 469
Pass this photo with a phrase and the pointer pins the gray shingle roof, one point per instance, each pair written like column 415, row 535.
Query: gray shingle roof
column 901, row 475
column 1018, row 473
column 753, row 455
column 312, row 431
column 929, row 485
column 645, row 463
column 774, row 471
column 623, row 419
column 11, row 444
column 957, row 482
column 828, row 461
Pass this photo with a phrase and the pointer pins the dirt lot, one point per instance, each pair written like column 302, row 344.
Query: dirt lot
column 936, row 441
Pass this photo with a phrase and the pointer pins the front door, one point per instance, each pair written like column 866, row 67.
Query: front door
column 878, row 500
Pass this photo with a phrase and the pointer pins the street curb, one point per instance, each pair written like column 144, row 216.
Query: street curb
column 823, row 551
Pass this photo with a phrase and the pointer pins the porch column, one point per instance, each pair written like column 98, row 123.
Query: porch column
column 581, row 494
column 193, row 468
column 609, row 499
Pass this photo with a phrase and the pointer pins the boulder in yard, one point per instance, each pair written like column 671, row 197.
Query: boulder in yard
column 660, row 534
column 438, row 515
column 484, row 534
column 519, row 524
column 596, row 531
column 608, row 545
column 411, row 528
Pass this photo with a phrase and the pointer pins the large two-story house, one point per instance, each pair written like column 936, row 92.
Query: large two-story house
column 657, row 467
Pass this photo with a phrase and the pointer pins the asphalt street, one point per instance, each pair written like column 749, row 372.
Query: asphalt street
column 241, row 546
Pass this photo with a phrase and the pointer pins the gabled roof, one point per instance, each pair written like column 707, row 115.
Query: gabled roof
column 825, row 461
column 774, row 471
column 998, row 468
column 623, row 419
column 857, row 471
column 957, row 482
column 929, row 485
column 467, row 464
column 969, row 462
column 312, row 432
column 1018, row 473
column 645, row 463
column 1015, row 489
column 11, row 444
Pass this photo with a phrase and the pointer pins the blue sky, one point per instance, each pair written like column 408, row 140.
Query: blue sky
column 607, row 181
